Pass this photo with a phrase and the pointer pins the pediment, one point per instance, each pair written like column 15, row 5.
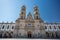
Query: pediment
column 29, row 16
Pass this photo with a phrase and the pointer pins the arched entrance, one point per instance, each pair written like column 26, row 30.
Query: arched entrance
column 0, row 35
column 5, row 36
column 29, row 34
column 47, row 34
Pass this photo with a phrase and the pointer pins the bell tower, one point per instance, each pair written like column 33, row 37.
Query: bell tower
column 23, row 12
column 36, row 13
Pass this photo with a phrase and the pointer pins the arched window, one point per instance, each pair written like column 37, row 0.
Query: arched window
column 36, row 13
column 8, row 27
column 54, row 27
column 12, row 27
column 50, row 27
column 22, row 12
column 3, row 27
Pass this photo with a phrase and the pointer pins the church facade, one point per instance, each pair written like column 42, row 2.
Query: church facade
column 29, row 27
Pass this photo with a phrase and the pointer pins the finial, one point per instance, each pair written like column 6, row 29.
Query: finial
column 23, row 6
column 35, row 6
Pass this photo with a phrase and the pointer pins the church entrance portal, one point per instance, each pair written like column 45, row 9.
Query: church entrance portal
column 29, row 34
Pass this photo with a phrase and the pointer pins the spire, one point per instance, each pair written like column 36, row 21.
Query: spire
column 23, row 8
column 35, row 8
column 36, row 12
column 29, row 16
column 23, row 12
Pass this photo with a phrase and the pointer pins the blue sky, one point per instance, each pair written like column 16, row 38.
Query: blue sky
column 49, row 9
